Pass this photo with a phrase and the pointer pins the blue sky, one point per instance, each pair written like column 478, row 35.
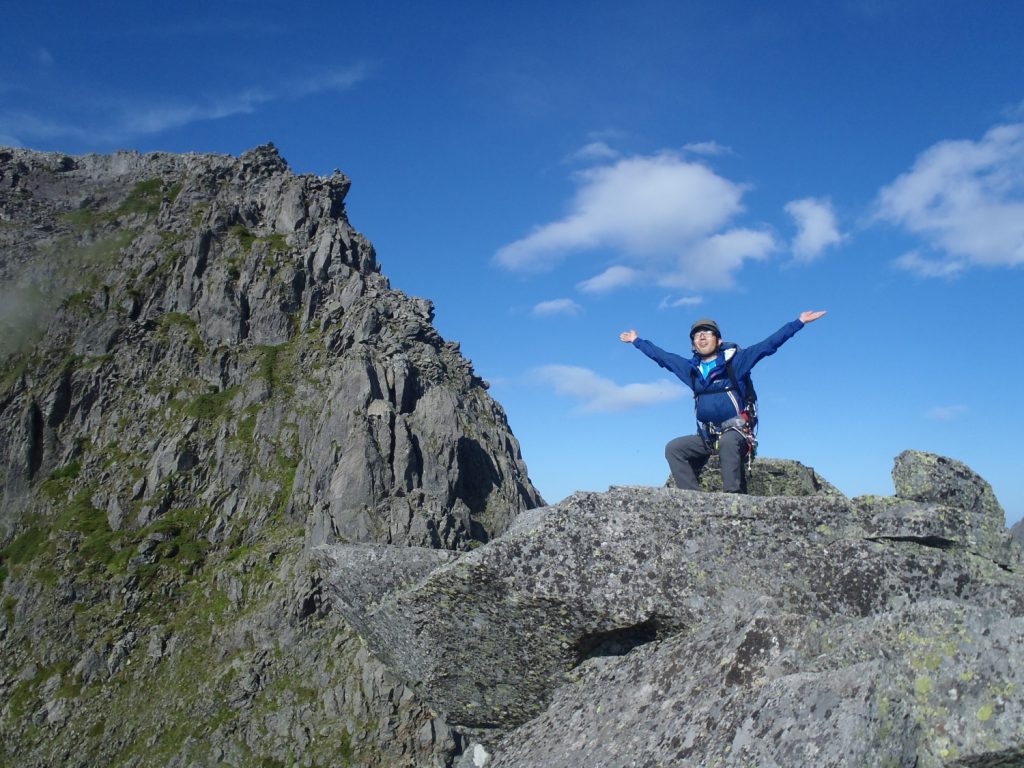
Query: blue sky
column 550, row 174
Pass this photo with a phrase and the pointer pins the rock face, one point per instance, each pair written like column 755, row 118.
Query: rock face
column 649, row 626
column 208, row 287
column 204, row 375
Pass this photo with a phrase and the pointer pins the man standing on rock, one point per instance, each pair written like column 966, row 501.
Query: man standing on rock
column 718, row 375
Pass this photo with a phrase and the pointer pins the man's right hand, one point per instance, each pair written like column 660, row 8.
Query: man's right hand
column 628, row 336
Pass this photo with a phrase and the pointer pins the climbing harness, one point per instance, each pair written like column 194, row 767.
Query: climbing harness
column 745, row 423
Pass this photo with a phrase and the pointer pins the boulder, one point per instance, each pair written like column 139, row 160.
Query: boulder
column 959, row 494
column 769, row 477
column 670, row 627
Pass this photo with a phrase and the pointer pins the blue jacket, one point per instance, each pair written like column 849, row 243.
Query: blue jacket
column 715, row 403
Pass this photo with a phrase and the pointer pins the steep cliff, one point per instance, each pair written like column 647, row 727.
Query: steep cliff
column 204, row 375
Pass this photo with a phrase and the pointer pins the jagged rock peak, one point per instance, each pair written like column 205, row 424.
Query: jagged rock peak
column 265, row 158
column 204, row 375
column 167, row 270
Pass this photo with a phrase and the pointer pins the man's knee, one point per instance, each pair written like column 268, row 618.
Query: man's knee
column 686, row 447
column 733, row 442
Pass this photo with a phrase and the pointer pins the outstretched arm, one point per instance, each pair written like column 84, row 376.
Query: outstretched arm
column 667, row 360
column 745, row 359
column 811, row 315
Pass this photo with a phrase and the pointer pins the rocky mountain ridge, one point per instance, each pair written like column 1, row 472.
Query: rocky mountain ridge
column 205, row 375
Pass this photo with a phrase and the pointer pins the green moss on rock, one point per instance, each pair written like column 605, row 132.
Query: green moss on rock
column 145, row 198
column 212, row 405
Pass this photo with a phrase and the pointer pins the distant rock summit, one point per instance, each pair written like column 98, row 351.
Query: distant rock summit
column 257, row 512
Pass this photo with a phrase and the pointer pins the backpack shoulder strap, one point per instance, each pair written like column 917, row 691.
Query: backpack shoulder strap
column 750, row 395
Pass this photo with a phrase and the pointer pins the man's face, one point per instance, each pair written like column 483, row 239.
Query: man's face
column 705, row 342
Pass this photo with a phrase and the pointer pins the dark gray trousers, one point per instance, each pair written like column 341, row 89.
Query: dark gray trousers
column 687, row 455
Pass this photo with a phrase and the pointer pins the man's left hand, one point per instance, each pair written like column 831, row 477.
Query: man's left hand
column 811, row 315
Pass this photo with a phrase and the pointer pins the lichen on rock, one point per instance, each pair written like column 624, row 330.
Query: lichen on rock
column 696, row 628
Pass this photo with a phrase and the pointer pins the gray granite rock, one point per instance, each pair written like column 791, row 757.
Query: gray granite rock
column 204, row 372
column 938, row 480
column 648, row 626
column 930, row 684
column 769, row 477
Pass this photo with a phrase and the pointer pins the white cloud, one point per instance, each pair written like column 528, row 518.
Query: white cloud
column 965, row 199
column 816, row 227
column 683, row 301
column 922, row 267
column 17, row 126
column 609, row 280
column 946, row 412
column 640, row 204
column 663, row 213
column 156, row 119
column 598, row 394
column 713, row 262
column 333, row 80
column 709, row 148
column 557, row 307
column 595, row 150
column 114, row 122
